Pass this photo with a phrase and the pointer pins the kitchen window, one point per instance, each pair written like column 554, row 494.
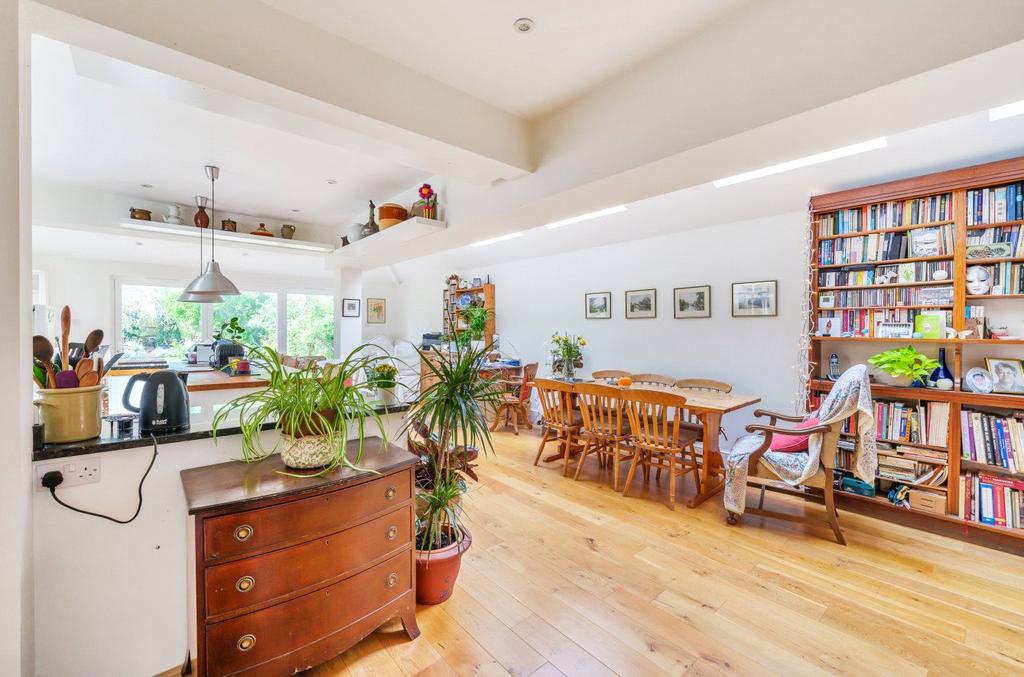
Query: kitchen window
column 154, row 323
column 256, row 311
column 310, row 325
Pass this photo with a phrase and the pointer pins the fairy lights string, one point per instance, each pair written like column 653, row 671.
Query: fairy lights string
column 803, row 367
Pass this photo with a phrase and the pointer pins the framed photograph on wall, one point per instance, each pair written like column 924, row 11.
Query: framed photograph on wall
column 641, row 304
column 755, row 299
column 691, row 302
column 376, row 311
column 597, row 305
column 350, row 307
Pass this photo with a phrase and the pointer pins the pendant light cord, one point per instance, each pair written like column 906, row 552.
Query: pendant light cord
column 213, row 220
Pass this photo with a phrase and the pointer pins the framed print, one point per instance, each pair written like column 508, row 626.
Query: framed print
column 641, row 304
column 1008, row 376
column 376, row 311
column 597, row 305
column 993, row 250
column 688, row 302
column 755, row 299
column 350, row 307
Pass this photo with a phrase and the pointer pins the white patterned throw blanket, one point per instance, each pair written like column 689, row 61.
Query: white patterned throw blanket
column 850, row 395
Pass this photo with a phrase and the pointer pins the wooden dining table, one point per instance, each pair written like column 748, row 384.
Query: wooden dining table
column 709, row 407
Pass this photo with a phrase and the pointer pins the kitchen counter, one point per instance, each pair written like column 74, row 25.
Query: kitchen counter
column 201, row 379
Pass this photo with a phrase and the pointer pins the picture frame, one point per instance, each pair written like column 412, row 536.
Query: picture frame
column 992, row 250
column 755, row 299
column 376, row 311
column 350, row 307
column 925, row 242
column 977, row 380
column 641, row 304
column 1007, row 375
column 691, row 302
column 597, row 305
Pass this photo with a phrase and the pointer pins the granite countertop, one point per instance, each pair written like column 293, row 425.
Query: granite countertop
column 201, row 418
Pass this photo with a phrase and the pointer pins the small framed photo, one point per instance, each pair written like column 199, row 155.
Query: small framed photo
column 350, row 307
column 376, row 311
column 829, row 326
column 641, row 304
column 691, row 302
column 755, row 299
column 597, row 305
column 1007, row 375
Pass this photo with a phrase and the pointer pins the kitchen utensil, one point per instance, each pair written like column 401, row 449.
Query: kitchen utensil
column 51, row 378
column 140, row 214
column 108, row 365
column 42, row 349
column 65, row 377
column 70, row 414
column 38, row 381
column 93, row 341
column 163, row 406
column 84, row 366
column 90, row 378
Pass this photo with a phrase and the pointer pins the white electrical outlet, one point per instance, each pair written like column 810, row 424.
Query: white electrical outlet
column 75, row 470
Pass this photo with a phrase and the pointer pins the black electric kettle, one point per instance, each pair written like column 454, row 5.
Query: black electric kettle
column 163, row 406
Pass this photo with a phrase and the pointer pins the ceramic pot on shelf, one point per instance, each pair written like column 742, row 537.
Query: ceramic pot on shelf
column 390, row 214
column 140, row 214
column 173, row 215
column 370, row 227
column 355, row 232
column 201, row 219
column 262, row 231
column 287, row 231
column 228, row 225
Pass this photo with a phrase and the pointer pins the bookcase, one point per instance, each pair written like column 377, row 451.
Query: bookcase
column 883, row 256
column 482, row 295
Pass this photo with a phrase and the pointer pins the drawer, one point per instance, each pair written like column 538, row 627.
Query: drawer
column 253, row 638
column 245, row 582
column 325, row 513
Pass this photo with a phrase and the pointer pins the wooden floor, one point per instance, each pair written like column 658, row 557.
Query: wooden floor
column 571, row 578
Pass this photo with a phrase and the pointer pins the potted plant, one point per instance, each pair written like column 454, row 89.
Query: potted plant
column 447, row 427
column 567, row 354
column 906, row 366
column 315, row 410
column 383, row 377
column 231, row 331
column 476, row 320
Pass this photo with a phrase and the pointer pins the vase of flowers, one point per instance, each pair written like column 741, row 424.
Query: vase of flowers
column 567, row 354
column 383, row 376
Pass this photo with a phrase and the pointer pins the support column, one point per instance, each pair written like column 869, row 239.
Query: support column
column 16, row 591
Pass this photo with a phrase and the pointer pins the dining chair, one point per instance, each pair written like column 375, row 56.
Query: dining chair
column 760, row 471
column 610, row 375
column 514, row 401
column 690, row 419
column 604, row 432
column 653, row 379
column 561, row 421
column 661, row 442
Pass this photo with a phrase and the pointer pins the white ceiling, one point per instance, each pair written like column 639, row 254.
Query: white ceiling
column 96, row 135
column 471, row 45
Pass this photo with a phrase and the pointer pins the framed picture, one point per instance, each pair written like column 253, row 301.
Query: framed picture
column 1008, row 375
column 993, row 250
column 597, row 305
column 376, row 311
column 690, row 302
column 977, row 380
column 925, row 242
column 350, row 307
column 829, row 326
column 755, row 299
column 641, row 303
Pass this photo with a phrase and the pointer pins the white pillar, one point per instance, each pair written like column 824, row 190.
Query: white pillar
column 16, row 592
column 348, row 284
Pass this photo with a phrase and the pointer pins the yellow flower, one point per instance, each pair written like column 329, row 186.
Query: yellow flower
column 583, row 341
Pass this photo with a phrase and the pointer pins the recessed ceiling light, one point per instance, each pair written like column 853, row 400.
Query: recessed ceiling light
column 523, row 25
column 295, row 211
column 331, row 182
column 139, row 244
column 586, row 217
column 145, row 185
column 1008, row 111
column 500, row 238
column 835, row 154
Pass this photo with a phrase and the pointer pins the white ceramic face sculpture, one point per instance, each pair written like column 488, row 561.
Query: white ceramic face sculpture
column 978, row 281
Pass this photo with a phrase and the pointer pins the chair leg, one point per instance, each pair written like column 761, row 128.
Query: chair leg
column 513, row 416
column 760, row 501
column 615, row 471
column 631, row 473
column 672, row 481
column 833, row 516
column 567, row 454
column 497, row 417
column 540, row 450
column 583, row 457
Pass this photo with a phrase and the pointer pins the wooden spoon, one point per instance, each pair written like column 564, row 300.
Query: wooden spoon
column 89, row 379
column 65, row 378
column 42, row 349
column 93, row 341
column 84, row 366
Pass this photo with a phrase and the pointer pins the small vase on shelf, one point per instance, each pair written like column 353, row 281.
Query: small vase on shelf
column 942, row 377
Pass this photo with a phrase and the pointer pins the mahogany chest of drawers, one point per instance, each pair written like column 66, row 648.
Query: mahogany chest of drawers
column 291, row 571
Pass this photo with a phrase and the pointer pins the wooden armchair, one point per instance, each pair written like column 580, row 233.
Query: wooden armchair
column 817, row 488
column 561, row 422
column 515, row 400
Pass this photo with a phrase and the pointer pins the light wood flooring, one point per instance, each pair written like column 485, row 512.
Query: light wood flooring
column 571, row 578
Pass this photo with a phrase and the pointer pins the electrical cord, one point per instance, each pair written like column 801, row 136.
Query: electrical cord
column 55, row 478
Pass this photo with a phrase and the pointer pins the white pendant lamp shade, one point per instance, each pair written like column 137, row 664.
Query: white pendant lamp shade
column 212, row 282
column 211, row 285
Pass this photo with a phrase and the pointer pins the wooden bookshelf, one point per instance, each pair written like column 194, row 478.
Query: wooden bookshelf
column 955, row 184
column 450, row 308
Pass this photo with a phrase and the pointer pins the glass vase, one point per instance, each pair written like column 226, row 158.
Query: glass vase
column 568, row 369
column 941, row 372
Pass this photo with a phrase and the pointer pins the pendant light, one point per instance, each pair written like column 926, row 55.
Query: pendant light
column 212, row 282
column 190, row 297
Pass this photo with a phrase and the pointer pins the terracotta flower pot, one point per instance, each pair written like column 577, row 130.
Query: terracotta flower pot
column 436, row 570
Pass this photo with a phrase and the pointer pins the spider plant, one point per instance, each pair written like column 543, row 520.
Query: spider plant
column 327, row 401
column 447, row 427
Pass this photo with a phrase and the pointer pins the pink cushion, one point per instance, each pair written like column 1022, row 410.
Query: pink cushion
column 793, row 443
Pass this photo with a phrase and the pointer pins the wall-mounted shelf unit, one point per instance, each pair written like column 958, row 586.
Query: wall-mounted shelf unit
column 388, row 240
column 226, row 236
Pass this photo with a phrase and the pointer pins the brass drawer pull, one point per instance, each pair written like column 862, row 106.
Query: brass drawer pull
column 390, row 492
column 392, row 532
column 392, row 580
column 243, row 532
column 245, row 584
column 246, row 642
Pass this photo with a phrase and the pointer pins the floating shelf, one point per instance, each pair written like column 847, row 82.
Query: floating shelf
column 227, row 236
column 388, row 239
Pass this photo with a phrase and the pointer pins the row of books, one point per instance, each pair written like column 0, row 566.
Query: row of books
column 1007, row 237
column 993, row 439
column 910, row 471
column 868, row 275
column 924, row 423
column 1007, row 277
column 887, row 215
column 866, row 321
column 888, row 297
column 992, row 500
column 995, row 205
column 936, row 241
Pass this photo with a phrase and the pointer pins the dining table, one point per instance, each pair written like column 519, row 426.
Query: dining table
column 709, row 407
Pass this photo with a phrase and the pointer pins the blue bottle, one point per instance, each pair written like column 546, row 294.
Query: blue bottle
column 942, row 371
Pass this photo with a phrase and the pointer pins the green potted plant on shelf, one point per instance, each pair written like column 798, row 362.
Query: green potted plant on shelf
column 905, row 366
column 383, row 376
column 447, row 428
column 315, row 411
column 231, row 331
column 476, row 321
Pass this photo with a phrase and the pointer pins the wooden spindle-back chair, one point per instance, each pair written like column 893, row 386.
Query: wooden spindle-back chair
column 653, row 379
column 609, row 375
column 515, row 400
column 605, row 427
column 560, row 419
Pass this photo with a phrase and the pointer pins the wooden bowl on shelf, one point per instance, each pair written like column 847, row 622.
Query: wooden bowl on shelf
column 390, row 214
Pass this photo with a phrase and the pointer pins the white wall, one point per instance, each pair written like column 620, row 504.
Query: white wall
column 536, row 297
column 394, row 327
